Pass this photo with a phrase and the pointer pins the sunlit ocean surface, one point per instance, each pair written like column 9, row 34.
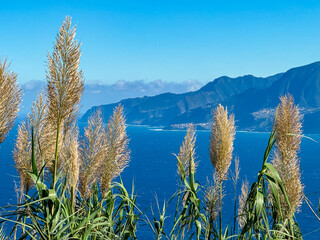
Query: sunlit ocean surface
column 153, row 170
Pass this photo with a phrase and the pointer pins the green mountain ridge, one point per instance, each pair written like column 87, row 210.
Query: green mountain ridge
column 252, row 99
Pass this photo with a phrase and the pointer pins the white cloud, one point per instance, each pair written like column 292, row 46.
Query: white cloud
column 98, row 93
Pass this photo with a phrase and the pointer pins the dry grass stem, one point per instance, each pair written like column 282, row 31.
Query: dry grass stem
column 286, row 160
column 221, row 148
column 10, row 99
column 187, row 152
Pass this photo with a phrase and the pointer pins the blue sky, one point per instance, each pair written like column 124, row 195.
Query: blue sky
column 168, row 40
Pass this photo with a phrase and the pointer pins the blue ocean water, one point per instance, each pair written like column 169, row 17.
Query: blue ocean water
column 153, row 170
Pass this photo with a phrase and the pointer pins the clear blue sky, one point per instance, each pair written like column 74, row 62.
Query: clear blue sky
column 168, row 40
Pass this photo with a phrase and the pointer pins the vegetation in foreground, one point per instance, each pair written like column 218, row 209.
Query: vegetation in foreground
column 67, row 187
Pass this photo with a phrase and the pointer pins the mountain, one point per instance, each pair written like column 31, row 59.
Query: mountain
column 169, row 109
column 255, row 108
column 253, row 100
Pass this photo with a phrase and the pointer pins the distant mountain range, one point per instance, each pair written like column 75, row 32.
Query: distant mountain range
column 97, row 93
column 252, row 99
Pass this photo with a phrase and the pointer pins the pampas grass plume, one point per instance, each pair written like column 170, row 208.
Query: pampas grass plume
column 10, row 99
column 187, row 152
column 221, row 141
column 286, row 160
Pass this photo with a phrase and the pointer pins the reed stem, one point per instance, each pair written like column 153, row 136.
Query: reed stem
column 56, row 158
column 220, row 206
column 235, row 208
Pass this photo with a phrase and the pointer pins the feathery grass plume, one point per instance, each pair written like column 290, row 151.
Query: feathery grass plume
column 235, row 174
column 37, row 121
column 10, row 98
column 92, row 153
column 65, row 86
column 211, row 200
column 70, row 156
column 117, row 153
column 286, row 160
column 187, row 152
column 52, row 147
column 65, row 79
column 242, row 203
column 22, row 150
column 22, row 157
column 221, row 147
column 221, row 141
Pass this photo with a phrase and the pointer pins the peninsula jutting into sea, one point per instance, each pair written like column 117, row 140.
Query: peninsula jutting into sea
column 252, row 99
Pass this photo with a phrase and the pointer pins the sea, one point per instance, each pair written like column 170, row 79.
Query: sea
column 153, row 172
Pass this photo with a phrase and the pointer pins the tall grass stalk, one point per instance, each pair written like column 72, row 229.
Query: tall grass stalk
column 64, row 88
column 92, row 154
column 221, row 147
column 117, row 153
column 286, row 160
column 242, row 210
column 235, row 178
